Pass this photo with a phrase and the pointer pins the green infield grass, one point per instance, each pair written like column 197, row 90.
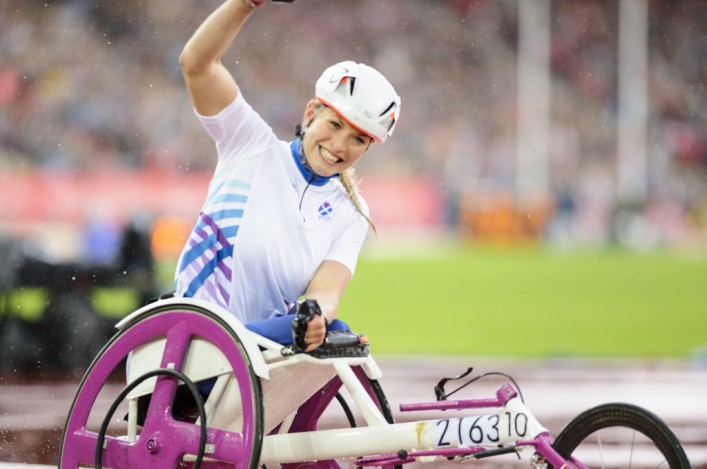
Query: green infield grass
column 530, row 302
column 447, row 299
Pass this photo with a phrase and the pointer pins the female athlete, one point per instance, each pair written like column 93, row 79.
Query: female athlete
column 282, row 220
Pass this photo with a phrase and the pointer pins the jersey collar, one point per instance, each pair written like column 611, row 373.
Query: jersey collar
column 309, row 176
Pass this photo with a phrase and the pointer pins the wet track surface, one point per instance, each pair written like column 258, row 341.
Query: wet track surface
column 32, row 411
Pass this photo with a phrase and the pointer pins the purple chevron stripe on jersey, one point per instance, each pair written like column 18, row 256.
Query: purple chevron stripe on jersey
column 204, row 264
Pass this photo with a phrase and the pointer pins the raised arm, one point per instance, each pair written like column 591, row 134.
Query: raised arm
column 211, row 86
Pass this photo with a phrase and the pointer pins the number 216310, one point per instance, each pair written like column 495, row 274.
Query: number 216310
column 480, row 430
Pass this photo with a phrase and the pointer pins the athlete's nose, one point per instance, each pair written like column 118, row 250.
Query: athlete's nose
column 338, row 141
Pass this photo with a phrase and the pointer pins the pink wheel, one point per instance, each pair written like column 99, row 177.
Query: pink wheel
column 163, row 440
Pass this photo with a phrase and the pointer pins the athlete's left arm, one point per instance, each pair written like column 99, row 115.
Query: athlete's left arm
column 327, row 287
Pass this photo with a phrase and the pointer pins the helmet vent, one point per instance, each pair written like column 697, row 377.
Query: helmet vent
column 388, row 122
column 391, row 106
column 342, row 87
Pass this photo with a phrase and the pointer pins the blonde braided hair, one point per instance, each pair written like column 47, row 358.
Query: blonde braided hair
column 350, row 182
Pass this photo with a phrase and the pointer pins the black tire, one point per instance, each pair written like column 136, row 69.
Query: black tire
column 380, row 399
column 383, row 405
column 621, row 435
column 378, row 396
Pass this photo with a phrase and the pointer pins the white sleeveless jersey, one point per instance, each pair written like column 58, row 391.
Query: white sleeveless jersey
column 264, row 228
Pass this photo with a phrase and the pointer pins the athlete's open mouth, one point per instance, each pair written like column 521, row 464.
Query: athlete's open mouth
column 329, row 156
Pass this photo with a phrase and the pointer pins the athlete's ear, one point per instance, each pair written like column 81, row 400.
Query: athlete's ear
column 309, row 112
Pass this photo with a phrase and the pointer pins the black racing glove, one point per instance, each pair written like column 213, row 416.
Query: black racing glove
column 306, row 310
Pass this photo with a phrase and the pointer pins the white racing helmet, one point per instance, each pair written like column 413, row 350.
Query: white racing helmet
column 361, row 96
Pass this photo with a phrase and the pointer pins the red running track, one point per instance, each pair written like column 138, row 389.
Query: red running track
column 33, row 413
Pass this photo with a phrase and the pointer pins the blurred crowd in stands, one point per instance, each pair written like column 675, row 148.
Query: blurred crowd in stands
column 87, row 84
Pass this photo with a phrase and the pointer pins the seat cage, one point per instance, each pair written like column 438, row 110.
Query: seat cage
column 287, row 380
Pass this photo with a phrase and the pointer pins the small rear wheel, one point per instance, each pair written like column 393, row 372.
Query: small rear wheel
column 621, row 436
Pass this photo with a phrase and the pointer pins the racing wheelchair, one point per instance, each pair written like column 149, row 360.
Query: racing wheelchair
column 203, row 391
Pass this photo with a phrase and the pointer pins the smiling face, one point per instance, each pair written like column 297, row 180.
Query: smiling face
column 330, row 144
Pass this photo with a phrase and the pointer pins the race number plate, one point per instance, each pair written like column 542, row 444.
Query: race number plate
column 485, row 430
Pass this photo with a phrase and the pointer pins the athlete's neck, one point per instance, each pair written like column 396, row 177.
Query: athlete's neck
column 304, row 167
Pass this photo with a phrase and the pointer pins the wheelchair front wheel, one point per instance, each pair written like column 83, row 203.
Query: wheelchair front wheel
column 620, row 436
